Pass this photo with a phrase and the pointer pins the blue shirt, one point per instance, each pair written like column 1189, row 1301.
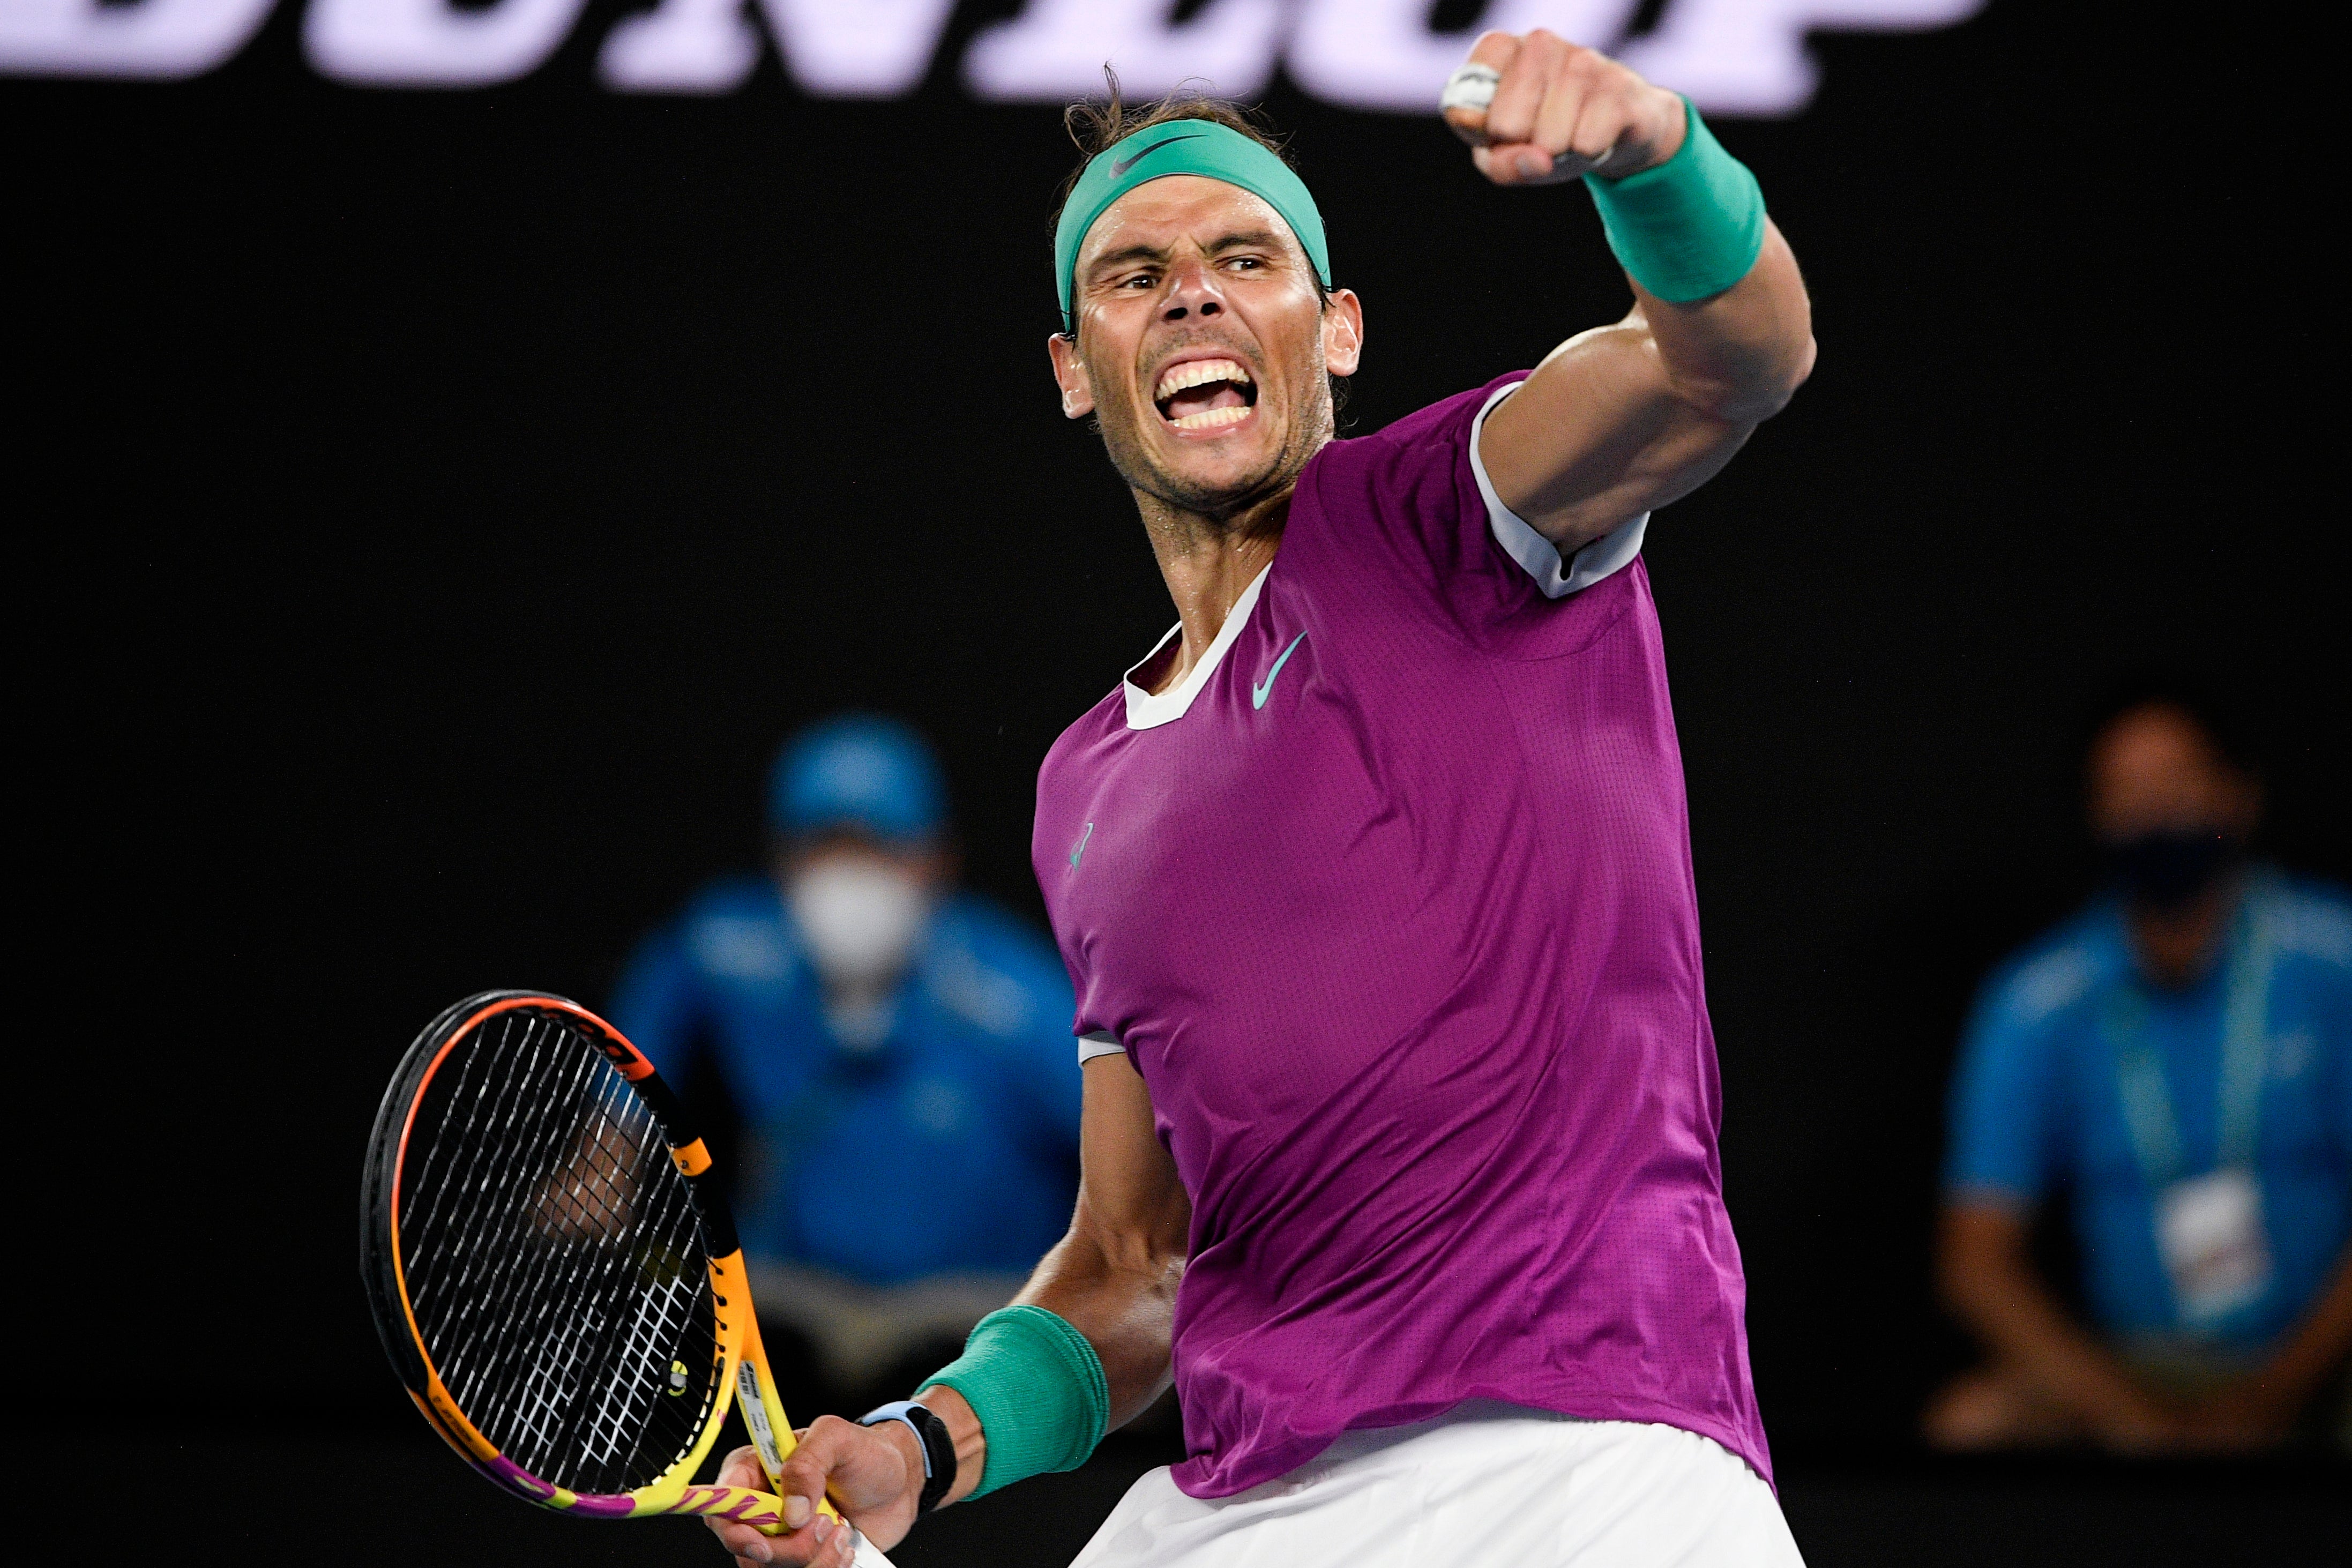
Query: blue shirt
column 951, row 1146
column 2038, row 1103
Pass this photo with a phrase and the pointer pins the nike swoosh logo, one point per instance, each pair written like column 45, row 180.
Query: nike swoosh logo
column 1119, row 166
column 1081, row 849
column 1258, row 691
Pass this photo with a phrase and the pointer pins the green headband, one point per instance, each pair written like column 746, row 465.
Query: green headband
column 1183, row 147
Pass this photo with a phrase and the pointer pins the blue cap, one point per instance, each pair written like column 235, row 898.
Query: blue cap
column 862, row 772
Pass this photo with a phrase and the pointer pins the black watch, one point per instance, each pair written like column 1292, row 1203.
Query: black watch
column 931, row 1435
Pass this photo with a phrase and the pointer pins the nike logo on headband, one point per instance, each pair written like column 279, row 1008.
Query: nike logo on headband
column 1119, row 166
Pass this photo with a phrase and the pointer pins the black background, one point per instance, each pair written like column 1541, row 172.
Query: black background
column 434, row 508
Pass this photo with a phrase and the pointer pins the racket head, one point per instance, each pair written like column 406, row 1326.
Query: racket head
column 552, row 1266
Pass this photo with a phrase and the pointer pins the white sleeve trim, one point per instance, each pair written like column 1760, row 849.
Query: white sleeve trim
column 1101, row 1043
column 1540, row 556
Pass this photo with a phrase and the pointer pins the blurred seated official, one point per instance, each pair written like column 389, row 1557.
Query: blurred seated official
column 2178, row 1055
column 856, row 1004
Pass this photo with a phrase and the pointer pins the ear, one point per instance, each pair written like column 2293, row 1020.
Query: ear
column 1343, row 332
column 1070, row 375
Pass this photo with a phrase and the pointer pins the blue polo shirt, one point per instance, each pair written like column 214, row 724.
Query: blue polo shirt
column 951, row 1146
column 2038, row 1103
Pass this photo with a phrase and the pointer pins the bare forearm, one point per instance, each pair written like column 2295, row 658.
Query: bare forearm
column 1993, row 1290
column 1113, row 1278
column 2021, row 1322
column 1737, row 357
column 1125, row 1308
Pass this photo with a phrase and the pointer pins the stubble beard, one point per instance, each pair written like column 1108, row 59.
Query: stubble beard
column 1223, row 508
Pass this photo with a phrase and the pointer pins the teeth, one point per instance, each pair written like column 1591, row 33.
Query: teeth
column 1209, row 418
column 1199, row 373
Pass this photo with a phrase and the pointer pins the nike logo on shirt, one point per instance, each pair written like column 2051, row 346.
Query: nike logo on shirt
column 1119, row 166
column 1259, row 689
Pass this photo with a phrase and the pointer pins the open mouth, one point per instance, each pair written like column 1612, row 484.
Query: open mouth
column 1204, row 394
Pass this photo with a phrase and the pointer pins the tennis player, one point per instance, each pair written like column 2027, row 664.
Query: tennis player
column 1374, row 882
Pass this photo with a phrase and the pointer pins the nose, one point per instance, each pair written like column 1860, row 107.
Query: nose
column 1192, row 291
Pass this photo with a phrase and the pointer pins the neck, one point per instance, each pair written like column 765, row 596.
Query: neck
column 2175, row 945
column 1207, row 562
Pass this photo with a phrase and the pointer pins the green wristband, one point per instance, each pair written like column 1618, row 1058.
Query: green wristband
column 1690, row 228
column 1038, row 1389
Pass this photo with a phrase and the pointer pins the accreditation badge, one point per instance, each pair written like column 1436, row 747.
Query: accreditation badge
column 2209, row 1230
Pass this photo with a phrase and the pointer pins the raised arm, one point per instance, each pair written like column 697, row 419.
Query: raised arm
column 1623, row 418
column 1113, row 1279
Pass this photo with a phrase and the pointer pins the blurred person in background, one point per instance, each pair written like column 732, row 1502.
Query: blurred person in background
column 2178, row 1055
column 854, row 1001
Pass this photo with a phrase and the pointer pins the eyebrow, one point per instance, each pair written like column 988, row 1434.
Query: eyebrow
column 1239, row 240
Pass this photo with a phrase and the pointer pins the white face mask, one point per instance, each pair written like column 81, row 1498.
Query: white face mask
column 859, row 917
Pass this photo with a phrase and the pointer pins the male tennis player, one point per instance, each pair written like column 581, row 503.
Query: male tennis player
column 1375, row 883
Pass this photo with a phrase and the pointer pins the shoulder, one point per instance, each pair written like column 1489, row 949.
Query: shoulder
column 1437, row 433
column 1447, row 419
column 2053, row 974
column 1395, row 523
column 986, row 965
column 1070, row 749
column 2311, row 921
column 735, row 929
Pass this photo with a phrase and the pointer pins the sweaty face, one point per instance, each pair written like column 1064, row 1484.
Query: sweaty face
column 1203, row 344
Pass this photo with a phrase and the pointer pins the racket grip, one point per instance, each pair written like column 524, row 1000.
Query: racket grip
column 763, row 1511
column 777, row 1527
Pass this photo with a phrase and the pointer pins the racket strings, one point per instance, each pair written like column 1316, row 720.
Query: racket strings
column 589, row 1199
column 554, row 1258
column 508, row 1282
column 488, row 1274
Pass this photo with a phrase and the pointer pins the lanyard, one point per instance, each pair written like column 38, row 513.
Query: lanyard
column 2245, row 1039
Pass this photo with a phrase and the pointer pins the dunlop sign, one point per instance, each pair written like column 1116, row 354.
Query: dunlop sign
column 1733, row 57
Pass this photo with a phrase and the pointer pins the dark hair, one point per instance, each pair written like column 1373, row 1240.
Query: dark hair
column 2156, row 686
column 1097, row 126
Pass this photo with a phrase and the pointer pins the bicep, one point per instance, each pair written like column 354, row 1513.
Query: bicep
column 1596, row 436
column 1623, row 419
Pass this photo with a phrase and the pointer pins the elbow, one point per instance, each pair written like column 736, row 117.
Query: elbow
column 1756, row 391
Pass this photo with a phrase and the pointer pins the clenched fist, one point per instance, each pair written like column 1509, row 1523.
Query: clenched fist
column 1558, row 110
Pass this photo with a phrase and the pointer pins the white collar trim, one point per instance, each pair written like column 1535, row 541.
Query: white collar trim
column 1146, row 710
column 1537, row 555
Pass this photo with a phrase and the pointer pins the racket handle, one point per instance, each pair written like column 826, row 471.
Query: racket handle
column 763, row 1511
column 763, row 1414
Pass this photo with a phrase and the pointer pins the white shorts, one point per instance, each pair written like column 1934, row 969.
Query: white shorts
column 1488, row 1486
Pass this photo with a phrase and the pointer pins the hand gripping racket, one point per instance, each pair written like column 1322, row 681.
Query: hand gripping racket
column 554, row 1270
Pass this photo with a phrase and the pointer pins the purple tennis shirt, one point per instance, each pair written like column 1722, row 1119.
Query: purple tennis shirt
column 1390, row 902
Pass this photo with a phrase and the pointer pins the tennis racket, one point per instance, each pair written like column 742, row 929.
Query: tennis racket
column 555, row 1271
